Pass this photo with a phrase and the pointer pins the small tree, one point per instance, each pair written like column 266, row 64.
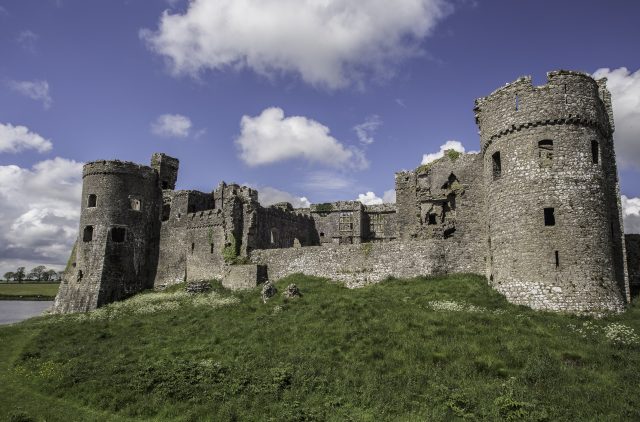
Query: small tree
column 8, row 276
column 19, row 275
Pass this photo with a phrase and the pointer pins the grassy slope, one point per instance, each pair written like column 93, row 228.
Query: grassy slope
column 379, row 353
column 29, row 290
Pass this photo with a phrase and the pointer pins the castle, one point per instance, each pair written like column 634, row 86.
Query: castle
column 537, row 211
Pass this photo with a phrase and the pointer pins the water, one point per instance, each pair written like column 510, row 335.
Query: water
column 18, row 310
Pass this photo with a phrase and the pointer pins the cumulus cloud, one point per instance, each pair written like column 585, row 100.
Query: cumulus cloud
column 36, row 90
column 631, row 214
column 39, row 213
column 171, row 126
column 371, row 198
column 625, row 96
column 271, row 137
column 454, row 145
column 330, row 43
column 367, row 129
column 18, row 138
column 269, row 196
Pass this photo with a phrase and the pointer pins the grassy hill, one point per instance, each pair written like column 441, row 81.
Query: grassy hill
column 446, row 348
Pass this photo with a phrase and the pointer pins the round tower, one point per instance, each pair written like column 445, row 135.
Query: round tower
column 116, row 250
column 554, row 228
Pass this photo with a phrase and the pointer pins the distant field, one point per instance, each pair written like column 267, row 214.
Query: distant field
column 28, row 290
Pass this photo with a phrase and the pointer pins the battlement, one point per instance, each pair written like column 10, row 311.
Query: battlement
column 116, row 167
column 568, row 97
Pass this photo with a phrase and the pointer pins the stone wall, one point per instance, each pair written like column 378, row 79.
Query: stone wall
column 633, row 262
column 366, row 263
column 339, row 222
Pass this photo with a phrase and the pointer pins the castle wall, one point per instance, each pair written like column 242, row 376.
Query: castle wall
column 633, row 262
column 568, row 264
column 117, row 247
column 339, row 222
column 283, row 228
column 206, row 241
column 366, row 263
column 380, row 223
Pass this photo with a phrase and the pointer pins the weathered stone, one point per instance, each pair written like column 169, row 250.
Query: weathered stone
column 241, row 277
column 268, row 291
column 198, row 287
column 292, row 291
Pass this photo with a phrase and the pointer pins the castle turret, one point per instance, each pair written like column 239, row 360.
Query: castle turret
column 167, row 169
column 117, row 247
column 554, row 228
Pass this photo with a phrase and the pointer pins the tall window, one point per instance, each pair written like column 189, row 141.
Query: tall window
column 497, row 165
column 545, row 152
column 595, row 152
column 346, row 222
column 549, row 217
column 87, row 234
column 91, row 201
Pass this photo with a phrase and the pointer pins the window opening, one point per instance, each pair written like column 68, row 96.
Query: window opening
column 118, row 234
column 517, row 99
column 545, row 152
column 557, row 259
column 87, row 234
column 166, row 212
column 165, row 184
column 91, row 201
column 595, row 152
column 321, row 234
column 549, row 217
column 497, row 165
column 193, row 246
column 432, row 219
column 211, row 244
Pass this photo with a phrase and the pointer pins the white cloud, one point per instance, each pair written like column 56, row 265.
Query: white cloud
column 27, row 40
column 323, row 181
column 171, row 126
column 631, row 214
column 36, row 90
column 370, row 198
column 367, row 129
column 269, row 196
column 18, row 138
column 272, row 137
column 625, row 96
column 39, row 213
column 330, row 43
column 454, row 145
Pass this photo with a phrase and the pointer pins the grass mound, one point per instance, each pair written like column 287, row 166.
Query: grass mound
column 444, row 348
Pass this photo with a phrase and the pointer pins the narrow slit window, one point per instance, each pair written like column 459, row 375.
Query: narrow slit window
column 118, row 234
column 497, row 165
column 545, row 152
column 517, row 100
column 557, row 259
column 549, row 217
column 92, row 200
column 193, row 247
column 595, row 152
column 211, row 244
column 432, row 219
column 87, row 234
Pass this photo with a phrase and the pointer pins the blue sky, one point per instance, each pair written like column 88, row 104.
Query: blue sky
column 293, row 98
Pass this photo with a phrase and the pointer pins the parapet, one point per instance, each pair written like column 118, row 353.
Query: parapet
column 568, row 97
column 116, row 167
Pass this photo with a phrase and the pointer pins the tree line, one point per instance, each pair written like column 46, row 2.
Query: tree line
column 39, row 273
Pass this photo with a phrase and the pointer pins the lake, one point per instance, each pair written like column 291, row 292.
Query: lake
column 18, row 310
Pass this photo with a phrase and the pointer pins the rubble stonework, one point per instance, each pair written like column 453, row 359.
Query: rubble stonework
column 537, row 211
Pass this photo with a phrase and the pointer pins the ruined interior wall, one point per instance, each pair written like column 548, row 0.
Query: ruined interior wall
column 380, row 223
column 339, row 222
column 633, row 262
column 366, row 263
column 279, row 228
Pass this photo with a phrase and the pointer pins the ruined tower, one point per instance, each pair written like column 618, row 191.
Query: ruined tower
column 117, row 246
column 554, row 236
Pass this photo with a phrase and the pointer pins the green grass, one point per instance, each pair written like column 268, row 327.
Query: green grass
column 26, row 291
column 446, row 348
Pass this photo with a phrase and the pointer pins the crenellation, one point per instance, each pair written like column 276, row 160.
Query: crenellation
column 537, row 211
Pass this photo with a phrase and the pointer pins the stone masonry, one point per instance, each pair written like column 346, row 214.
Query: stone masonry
column 537, row 211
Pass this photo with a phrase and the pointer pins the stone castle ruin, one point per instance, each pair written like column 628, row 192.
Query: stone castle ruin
column 537, row 211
